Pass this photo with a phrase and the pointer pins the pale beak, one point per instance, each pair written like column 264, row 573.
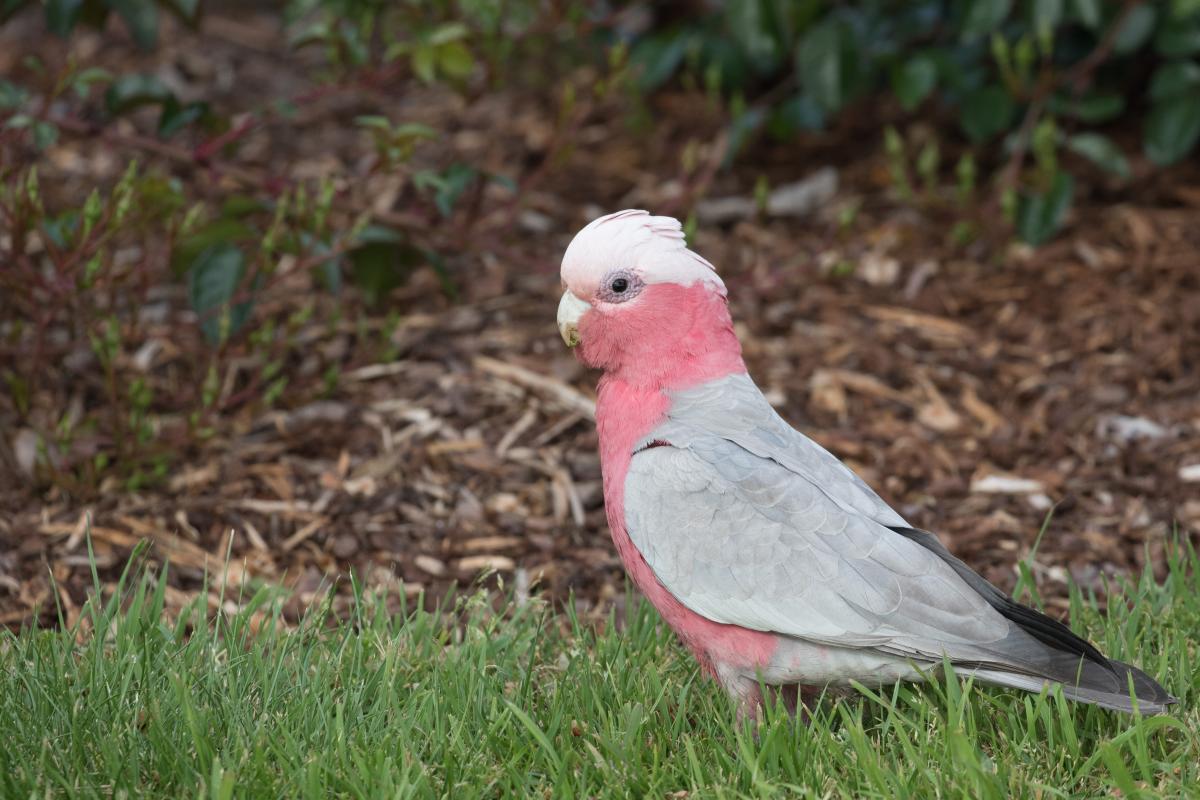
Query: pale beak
column 570, row 309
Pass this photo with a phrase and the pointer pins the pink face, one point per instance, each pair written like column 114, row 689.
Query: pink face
column 613, row 332
column 632, row 287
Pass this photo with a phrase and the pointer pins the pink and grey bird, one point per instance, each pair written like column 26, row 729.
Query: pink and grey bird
column 772, row 561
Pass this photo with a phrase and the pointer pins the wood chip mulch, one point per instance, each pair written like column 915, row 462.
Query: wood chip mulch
column 979, row 388
column 1065, row 379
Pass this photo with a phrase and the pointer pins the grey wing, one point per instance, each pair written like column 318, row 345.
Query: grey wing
column 741, row 539
column 734, row 409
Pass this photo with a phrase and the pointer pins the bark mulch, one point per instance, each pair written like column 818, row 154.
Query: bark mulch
column 981, row 388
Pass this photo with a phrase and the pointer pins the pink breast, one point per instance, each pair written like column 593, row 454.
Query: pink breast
column 624, row 415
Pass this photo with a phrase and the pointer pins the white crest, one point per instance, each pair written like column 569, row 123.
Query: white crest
column 654, row 247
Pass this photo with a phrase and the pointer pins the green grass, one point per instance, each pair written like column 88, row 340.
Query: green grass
column 530, row 704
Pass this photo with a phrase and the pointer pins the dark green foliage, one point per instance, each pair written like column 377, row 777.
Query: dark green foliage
column 1173, row 125
column 997, row 67
column 913, row 79
column 381, row 260
column 1040, row 214
column 1101, row 151
column 133, row 91
column 986, row 112
column 130, row 91
column 140, row 17
column 213, row 280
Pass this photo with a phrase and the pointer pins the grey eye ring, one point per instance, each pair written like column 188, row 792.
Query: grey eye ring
column 619, row 286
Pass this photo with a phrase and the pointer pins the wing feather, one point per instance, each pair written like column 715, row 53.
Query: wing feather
column 762, row 548
column 734, row 409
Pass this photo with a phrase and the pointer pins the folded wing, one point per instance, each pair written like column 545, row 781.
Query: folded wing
column 743, row 540
column 748, row 522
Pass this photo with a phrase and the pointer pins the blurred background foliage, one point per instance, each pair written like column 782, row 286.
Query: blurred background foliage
column 1040, row 76
column 1022, row 93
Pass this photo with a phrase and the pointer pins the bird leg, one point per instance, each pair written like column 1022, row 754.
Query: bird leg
column 743, row 691
column 747, row 694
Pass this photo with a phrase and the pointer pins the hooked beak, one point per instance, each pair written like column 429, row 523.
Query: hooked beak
column 570, row 309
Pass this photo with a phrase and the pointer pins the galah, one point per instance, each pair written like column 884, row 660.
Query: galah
column 772, row 561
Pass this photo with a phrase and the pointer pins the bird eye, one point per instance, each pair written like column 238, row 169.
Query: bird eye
column 619, row 286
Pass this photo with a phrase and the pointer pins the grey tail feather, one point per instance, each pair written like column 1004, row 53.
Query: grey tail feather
column 1044, row 650
column 1150, row 697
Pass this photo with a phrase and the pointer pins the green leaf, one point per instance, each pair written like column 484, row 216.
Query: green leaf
column 1138, row 25
column 160, row 197
column 329, row 271
column 316, row 33
column 376, row 121
column 236, row 206
column 61, row 230
column 174, row 117
column 830, row 65
column 414, row 131
column 741, row 129
column 1178, row 41
column 656, row 58
column 353, row 40
column 450, row 32
column 800, row 113
column 455, row 181
column 221, row 232
column 11, row 95
column 1040, row 215
column 1087, row 12
column 1047, row 15
column 131, row 91
column 913, row 80
column 212, row 282
column 382, row 263
column 82, row 81
column 1101, row 151
column 819, row 64
column 749, row 26
column 423, row 64
column 92, row 208
column 45, row 134
column 455, row 60
column 1172, row 128
column 375, row 234
column 1091, row 108
column 141, row 17
column 981, row 17
column 1174, row 78
column 986, row 112
column 61, row 15
column 438, row 264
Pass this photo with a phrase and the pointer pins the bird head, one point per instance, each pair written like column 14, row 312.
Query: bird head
column 636, row 298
